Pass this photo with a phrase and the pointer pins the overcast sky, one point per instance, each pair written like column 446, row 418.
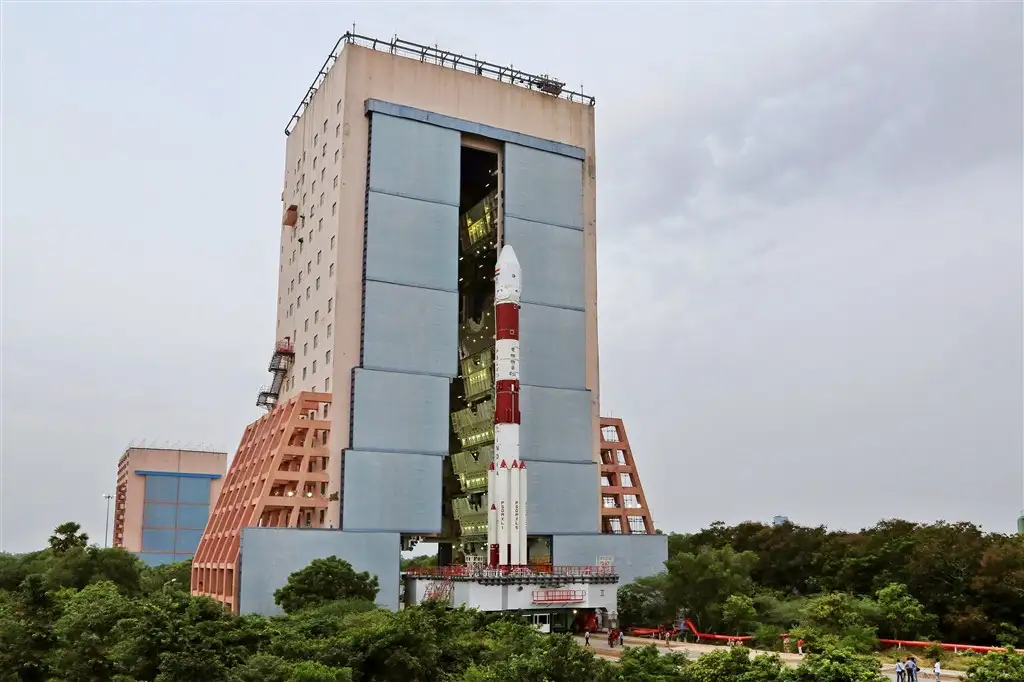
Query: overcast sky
column 810, row 221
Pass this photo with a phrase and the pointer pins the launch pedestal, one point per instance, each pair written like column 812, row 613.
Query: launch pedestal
column 574, row 593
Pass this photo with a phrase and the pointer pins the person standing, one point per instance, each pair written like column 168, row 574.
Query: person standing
column 938, row 669
column 586, row 636
column 911, row 669
column 800, row 646
column 900, row 673
column 622, row 638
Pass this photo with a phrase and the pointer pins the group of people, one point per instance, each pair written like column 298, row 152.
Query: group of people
column 906, row 671
column 613, row 637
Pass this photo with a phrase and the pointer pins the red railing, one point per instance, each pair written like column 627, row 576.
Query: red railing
column 558, row 596
column 285, row 345
column 524, row 571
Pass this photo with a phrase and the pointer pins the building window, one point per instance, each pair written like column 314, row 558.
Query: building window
column 314, row 163
column 322, row 171
column 610, row 434
column 620, row 457
column 636, row 525
column 311, row 235
column 324, row 152
column 321, row 198
column 327, row 385
column 335, row 182
column 303, row 373
column 327, row 358
column 325, row 125
column 312, row 187
column 609, row 502
column 290, row 310
column 605, row 481
column 318, row 284
column 314, row 367
column 320, row 224
column 337, row 130
column 337, row 107
column 316, row 316
column 298, row 303
column 307, row 293
column 319, row 254
column 312, row 211
column 334, row 208
column 305, row 325
column 330, row 272
column 305, row 349
column 630, row 502
column 335, row 156
column 328, row 331
column 625, row 480
column 309, row 267
column 316, row 139
column 330, row 304
column 316, row 341
column 300, row 279
column 615, row 526
column 332, row 242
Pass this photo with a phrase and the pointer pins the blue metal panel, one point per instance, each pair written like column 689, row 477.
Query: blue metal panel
column 409, row 329
column 395, row 412
column 543, row 187
column 412, row 242
column 562, row 498
column 158, row 515
column 157, row 559
column 157, row 540
column 161, row 488
column 187, row 540
column 552, row 262
column 270, row 555
column 193, row 516
column 415, row 160
column 474, row 128
column 175, row 474
column 392, row 492
column 557, row 425
column 634, row 556
column 194, row 490
column 553, row 347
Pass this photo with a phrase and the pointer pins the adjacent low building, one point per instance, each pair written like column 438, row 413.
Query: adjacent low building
column 163, row 501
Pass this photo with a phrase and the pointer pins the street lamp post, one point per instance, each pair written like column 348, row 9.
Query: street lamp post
column 106, row 519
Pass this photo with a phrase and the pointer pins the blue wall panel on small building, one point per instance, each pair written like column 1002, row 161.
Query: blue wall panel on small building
column 396, row 412
column 409, row 329
column 552, row 262
column 193, row 516
column 413, row 242
column 634, row 556
column 562, row 498
column 194, row 490
column 270, row 555
column 543, row 187
column 414, row 159
column 557, row 425
column 553, row 346
column 158, row 515
column 162, row 488
column 399, row 492
column 154, row 540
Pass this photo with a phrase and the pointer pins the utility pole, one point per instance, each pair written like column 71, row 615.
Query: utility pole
column 106, row 519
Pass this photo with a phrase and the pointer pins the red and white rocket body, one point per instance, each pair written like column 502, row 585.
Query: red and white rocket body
column 506, row 478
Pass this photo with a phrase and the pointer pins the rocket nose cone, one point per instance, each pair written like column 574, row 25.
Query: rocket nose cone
column 507, row 256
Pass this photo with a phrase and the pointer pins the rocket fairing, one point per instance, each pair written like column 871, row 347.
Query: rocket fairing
column 508, row 545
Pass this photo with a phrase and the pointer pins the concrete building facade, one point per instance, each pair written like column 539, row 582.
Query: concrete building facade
column 163, row 501
column 403, row 178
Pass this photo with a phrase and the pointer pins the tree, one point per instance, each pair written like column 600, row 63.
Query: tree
column 67, row 536
column 738, row 613
column 901, row 615
column 642, row 602
column 837, row 665
column 997, row 667
column 325, row 580
column 700, row 583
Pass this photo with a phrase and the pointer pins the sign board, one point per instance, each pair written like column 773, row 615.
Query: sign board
column 605, row 561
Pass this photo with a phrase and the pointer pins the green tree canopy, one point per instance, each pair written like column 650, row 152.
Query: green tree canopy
column 325, row 580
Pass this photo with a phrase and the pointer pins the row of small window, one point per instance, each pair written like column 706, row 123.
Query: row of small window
column 625, row 480
column 292, row 307
column 290, row 383
column 323, row 153
column 319, row 254
column 636, row 525
column 628, row 502
column 614, row 457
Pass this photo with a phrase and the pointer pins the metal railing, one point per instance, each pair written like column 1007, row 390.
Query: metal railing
column 435, row 55
column 475, row 571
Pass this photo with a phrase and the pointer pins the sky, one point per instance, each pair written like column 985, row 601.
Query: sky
column 809, row 218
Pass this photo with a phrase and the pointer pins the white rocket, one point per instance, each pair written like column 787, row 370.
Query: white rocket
column 506, row 489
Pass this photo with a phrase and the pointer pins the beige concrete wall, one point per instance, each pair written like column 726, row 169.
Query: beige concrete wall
column 157, row 459
column 338, row 108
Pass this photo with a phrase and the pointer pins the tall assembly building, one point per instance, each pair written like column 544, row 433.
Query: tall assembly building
column 407, row 168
